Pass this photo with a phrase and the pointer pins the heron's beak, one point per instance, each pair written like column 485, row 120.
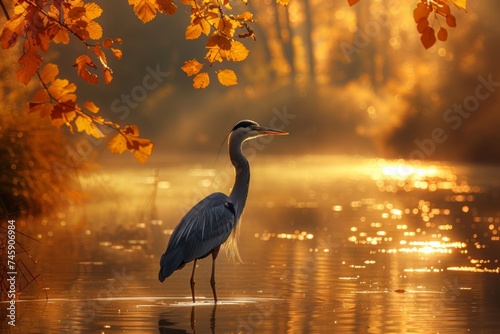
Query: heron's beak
column 270, row 131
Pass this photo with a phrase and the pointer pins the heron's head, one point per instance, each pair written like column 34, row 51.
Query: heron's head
column 247, row 129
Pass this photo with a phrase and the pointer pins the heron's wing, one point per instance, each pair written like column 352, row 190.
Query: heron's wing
column 207, row 225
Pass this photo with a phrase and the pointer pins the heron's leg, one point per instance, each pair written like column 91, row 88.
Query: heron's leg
column 192, row 280
column 215, row 252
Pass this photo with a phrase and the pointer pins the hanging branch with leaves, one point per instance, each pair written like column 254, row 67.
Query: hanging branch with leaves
column 441, row 10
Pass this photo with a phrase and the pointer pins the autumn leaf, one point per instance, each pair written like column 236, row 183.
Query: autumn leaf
column 166, row 6
column 201, row 80
column 227, row 77
column 238, row 52
column 117, row 144
column 108, row 76
column 76, row 12
column 451, row 21
column 92, row 11
column 284, row 2
column 90, row 106
column 12, row 30
column 245, row 16
column 30, row 62
column 428, row 37
column 81, row 63
column 192, row 67
column 422, row 11
column 108, row 43
column 117, row 53
column 49, row 73
column 352, row 2
column 62, row 90
column 144, row 9
column 84, row 123
column 461, row 4
column 95, row 30
column 442, row 34
column 193, row 31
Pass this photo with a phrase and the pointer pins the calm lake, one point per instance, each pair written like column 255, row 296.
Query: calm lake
column 329, row 245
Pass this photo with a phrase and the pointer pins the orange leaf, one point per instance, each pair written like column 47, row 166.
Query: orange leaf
column 142, row 148
column 49, row 73
column 220, row 41
column 108, row 75
column 61, row 37
column 421, row 11
column 201, row 80
column 81, row 63
column 117, row 53
column 62, row 90
column 352, row 2
column 238, row 52
column 227, row 77
column 192, row 67
column 284, row 2
column 76, row 12
column 92, row 11
column 450, row 20
column 422, row 24
column 30, row 62
column 84, row 123
column 193, row 31
column 442, row 34
column 91, row 106
column 12, row 30
column 144, row 9
column 245, row 16
column 117, row 144
column 166, row 6
column 428, row 37
column 107, row 43
column 95, row 30
column 131, row 130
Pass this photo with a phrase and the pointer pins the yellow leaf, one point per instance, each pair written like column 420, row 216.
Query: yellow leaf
column 193, row 31
column 461, row 4
column 117, row 144
column 192, row 67
column 49, row 73
column 84, row 123
column 144, row 9
column 143, row 149
column 61, row 37
column 245, row 16
column 201, row 80
column 91, row 106
column 94, row 29
column 227, row 77
column 92, row 11
column 238, row 52
column 285, row 2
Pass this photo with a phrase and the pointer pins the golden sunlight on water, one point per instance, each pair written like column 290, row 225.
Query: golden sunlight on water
column 328, row 243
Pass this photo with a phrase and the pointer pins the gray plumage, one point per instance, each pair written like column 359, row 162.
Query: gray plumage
column 215, row 219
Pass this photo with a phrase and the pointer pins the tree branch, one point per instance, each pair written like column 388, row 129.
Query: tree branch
column 5, row 10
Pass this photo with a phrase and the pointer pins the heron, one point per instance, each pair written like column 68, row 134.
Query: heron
column 214, row 220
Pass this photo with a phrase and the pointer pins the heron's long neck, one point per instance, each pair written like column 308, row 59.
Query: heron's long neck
column 240, row 189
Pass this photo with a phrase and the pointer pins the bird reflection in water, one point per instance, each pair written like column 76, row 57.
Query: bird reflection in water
column 167, row 326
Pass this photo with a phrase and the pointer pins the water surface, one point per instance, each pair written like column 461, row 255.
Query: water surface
column 328, row 244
